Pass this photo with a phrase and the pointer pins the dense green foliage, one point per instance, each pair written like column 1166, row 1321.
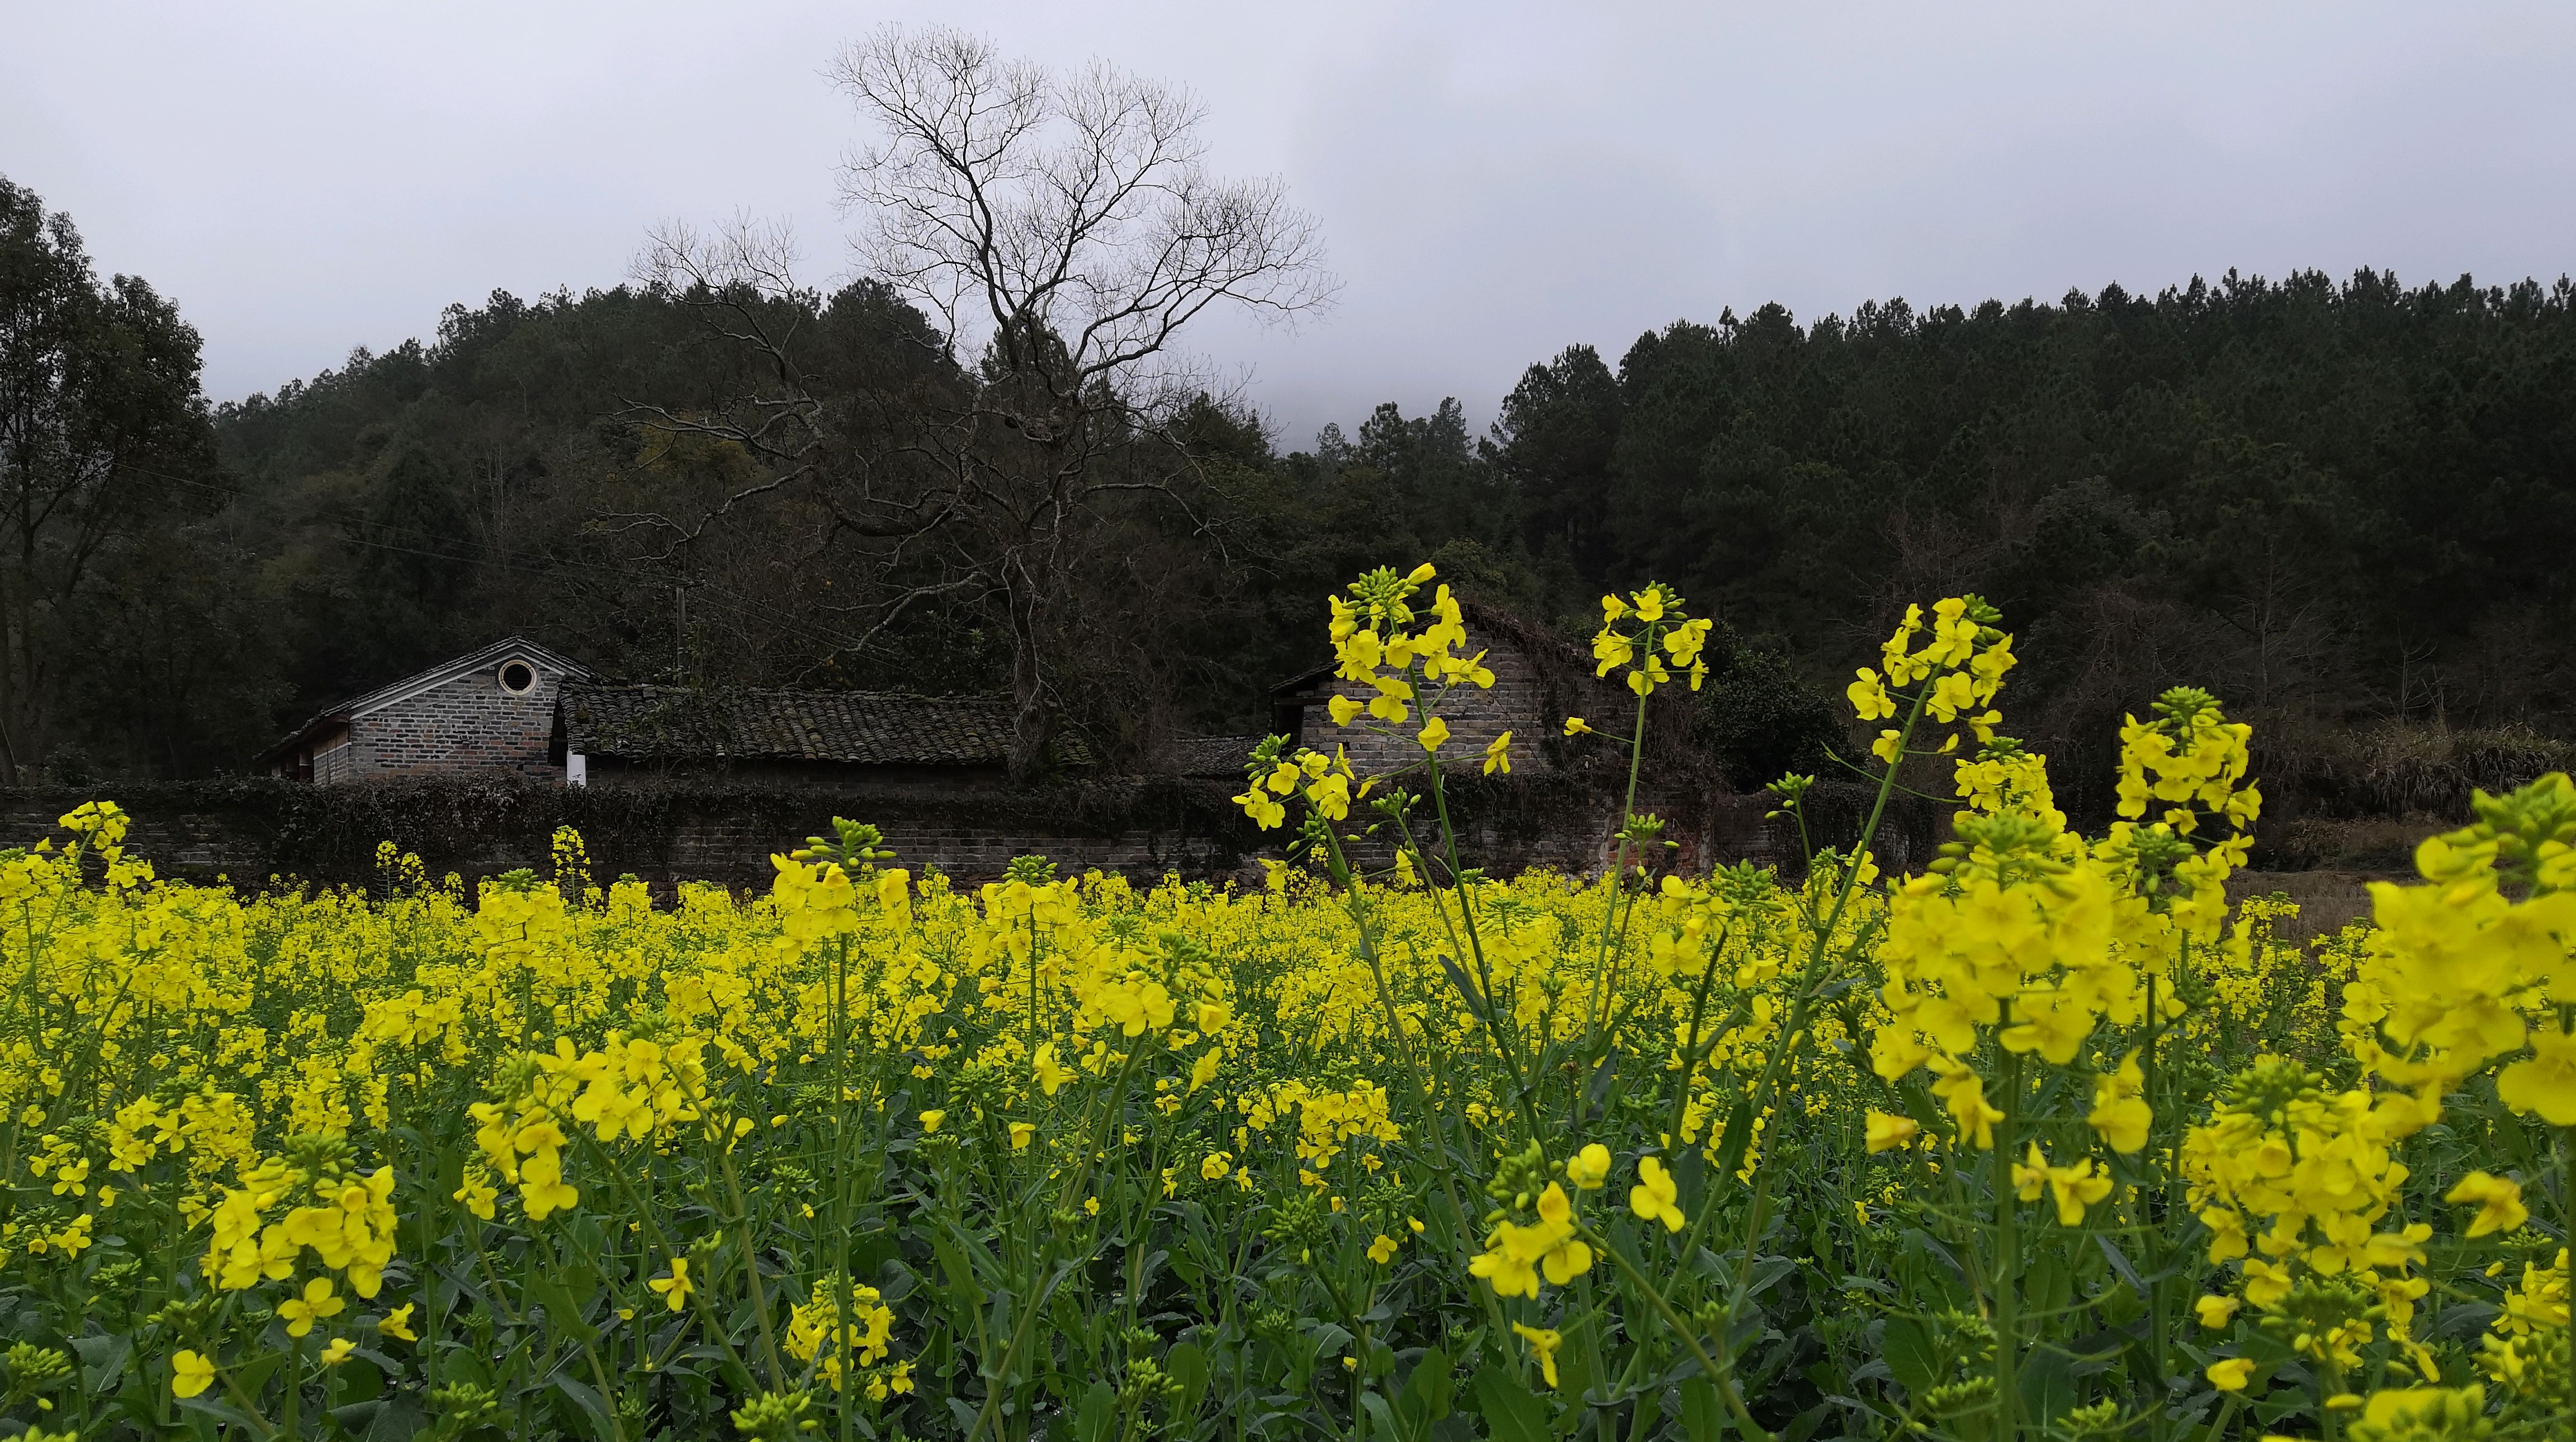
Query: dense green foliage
column 2338, row 504
column 118, row 617
column 2343, row 504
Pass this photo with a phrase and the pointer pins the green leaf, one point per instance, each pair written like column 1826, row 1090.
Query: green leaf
column 1430, row 1386
column 361, row 1379
column 1739, row 1135
column 1703, row 1415
column 103, row 1360
column 1911, row 1357
column 1574, row 1377
column 2119, row 1261
column 2047, row 1384
column 2046, row 1286
column 963, row 1291
column 1511, row 1413
column 397, row 1419
column 1099, row 1413
column 562, row 1312
column 587, row 1398
column 1187, row 1364
column 1385, row 1418
column 213, row 1405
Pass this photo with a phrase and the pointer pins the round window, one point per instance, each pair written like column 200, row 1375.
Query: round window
column 518, row 678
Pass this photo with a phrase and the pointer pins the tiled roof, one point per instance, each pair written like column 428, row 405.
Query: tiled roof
column 1212, row 756
column 675, row 723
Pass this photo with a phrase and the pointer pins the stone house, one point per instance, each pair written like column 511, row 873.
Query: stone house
column 1540, row 679
column 613, row 735
column 487, row 713
column 1568, row 789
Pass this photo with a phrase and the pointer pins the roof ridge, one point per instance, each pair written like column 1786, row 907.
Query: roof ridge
column 596, row 684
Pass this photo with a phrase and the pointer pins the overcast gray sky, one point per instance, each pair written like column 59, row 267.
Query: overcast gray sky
column 1495, row 181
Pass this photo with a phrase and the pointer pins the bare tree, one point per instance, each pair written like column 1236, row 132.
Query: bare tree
column 1058, row 231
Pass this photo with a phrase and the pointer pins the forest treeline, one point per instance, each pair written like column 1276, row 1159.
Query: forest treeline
column 2346, row 507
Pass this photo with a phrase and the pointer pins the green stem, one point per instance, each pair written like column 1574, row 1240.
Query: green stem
column 289, row 1405
column 2155, row 1249
column 589, row 1346
column 839, row 1221
column 1723, row 1378
column 1794, row 1025
column 1618, row 867
column 1427, row 1113
column 2006, row 1285
column 651, row 1215
column 1076, row 1180
column 249, row 1408
column 2567, row 1240
column 750, row 1260
column 1694, row 1055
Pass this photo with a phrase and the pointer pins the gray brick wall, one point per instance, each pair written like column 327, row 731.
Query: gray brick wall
column 467, row 725
column 1520, row 701
column 249, row 830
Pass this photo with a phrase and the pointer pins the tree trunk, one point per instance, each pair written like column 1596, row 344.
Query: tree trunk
column 1033, row 712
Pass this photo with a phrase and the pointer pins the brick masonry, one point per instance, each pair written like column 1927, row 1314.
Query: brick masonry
column 469, row 723
column 1517, row 702
column 1539, row 681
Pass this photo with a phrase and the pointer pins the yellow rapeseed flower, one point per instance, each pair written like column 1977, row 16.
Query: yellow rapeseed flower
column 2498, row 1200
column 1589, row 1168
column 1886, row 1131
column 190, row 1373
column 318, row 1303
column 1656, row 1196
column 396, row 1324
column 1543, row 1344
column 676, row 1288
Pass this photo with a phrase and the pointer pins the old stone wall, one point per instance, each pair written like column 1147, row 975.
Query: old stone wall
column 1529, row 699
column 250, row 831
column 1476, row 715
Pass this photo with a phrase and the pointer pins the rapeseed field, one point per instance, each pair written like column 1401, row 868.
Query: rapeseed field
column 2045, row 1141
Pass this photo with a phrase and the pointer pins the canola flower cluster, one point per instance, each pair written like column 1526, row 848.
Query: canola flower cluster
column 2044, row 1139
